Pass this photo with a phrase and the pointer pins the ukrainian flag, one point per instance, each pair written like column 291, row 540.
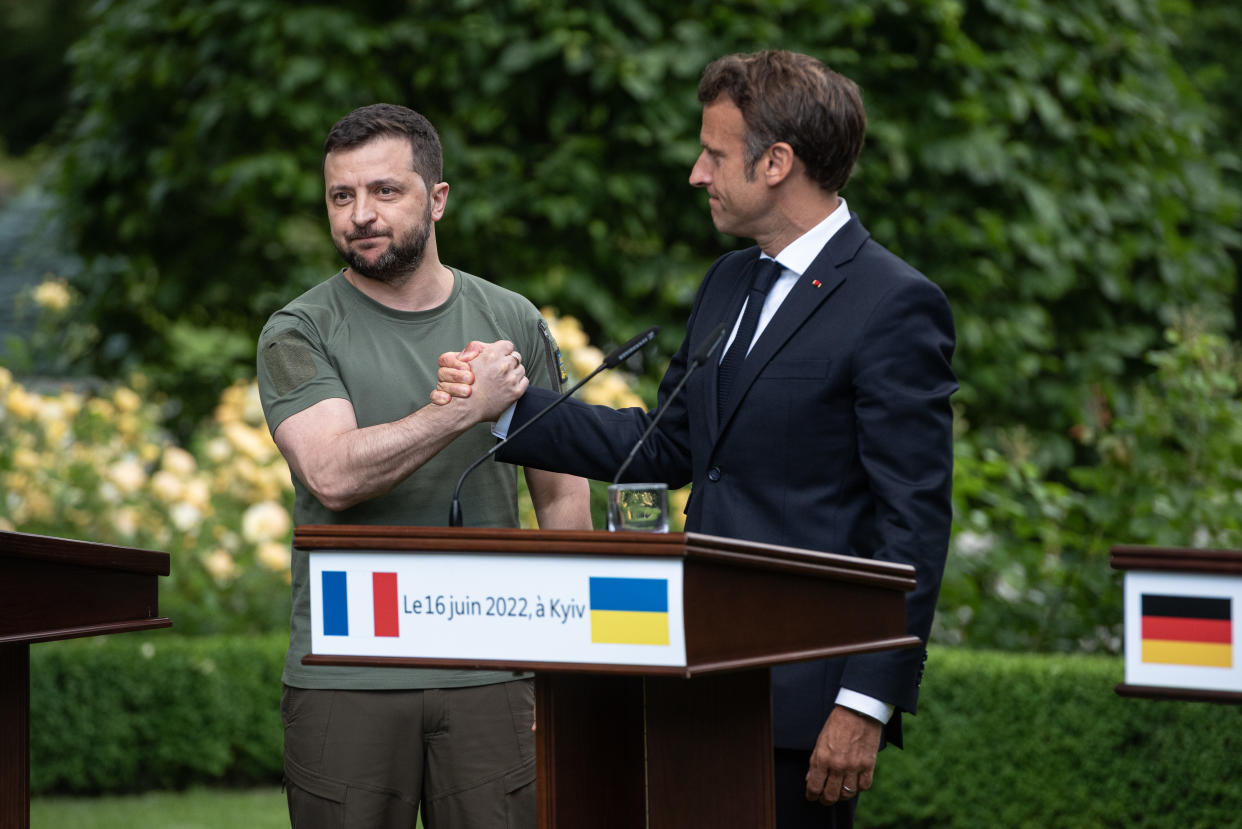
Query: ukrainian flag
column 629, row 611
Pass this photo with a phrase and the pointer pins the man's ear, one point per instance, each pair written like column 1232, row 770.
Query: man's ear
column 439, row 200
column 779, row 163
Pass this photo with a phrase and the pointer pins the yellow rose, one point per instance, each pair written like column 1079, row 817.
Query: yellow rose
column 566, row 331
column 197, row 493
column 231, row 405
column 166, row 486
column 24, row 458
column 100, row 408
column 584, row 360
column 51, row 409
column 128, row 475
column 39, row 506
column 274, row 555
column 252, row 405
column 219, row 450
column 250, row 441
column 266, row 521
column 125, row 521
column 53, row 295
column 70, row 403
column 220, row 565
column 280, row 475
column 185, row 517
column 22, row 403
column 56, row 430
column 129, row 425
column 178, row 462
column 126, row 400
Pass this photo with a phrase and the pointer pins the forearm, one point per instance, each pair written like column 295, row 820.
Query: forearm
column 343, row 465
column 593, row 441
column 562, row 502
column 346, row 467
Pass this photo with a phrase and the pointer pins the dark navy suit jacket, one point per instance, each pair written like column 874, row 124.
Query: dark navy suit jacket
column 838, row 437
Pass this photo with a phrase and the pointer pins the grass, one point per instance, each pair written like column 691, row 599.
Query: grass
column 198, row 808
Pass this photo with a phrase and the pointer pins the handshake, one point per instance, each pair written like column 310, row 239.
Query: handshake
column 488, row 377
column 491, row 375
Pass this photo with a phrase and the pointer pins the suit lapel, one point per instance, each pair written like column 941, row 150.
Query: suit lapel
column 813, row 288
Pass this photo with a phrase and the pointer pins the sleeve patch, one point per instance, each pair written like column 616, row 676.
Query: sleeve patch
column 556, row 365
column 289, row 361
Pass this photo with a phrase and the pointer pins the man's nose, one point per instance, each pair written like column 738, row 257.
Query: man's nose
column 698, row 173
column 363, row 212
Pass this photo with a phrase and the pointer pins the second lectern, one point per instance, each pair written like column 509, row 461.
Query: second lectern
column 651, row 652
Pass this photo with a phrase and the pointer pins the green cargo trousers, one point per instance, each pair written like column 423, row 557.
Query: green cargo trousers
column 369, row 759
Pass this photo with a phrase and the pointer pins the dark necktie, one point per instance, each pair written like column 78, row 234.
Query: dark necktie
column 766, row 273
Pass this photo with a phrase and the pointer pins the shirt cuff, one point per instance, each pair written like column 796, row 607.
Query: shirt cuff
column 863, row 704
column 501, row 427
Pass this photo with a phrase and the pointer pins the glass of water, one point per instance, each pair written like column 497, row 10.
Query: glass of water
column 638, row 507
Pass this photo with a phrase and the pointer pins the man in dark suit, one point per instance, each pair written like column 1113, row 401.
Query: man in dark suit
column 834, row 432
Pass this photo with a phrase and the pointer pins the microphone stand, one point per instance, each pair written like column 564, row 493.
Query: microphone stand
column 704, row 351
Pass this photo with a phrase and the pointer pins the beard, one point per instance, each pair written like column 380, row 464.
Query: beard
column 395, row 265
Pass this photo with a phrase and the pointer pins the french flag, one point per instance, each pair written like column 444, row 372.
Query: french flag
column 336, row 603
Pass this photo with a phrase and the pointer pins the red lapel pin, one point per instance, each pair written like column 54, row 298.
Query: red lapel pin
column 816, row 282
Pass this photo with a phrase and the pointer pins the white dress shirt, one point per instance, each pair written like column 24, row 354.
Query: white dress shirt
column 794, row 260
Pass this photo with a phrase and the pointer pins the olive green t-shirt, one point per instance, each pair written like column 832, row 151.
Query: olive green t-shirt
column 334, row 341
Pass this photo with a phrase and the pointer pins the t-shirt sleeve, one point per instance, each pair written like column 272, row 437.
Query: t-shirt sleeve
column 294, row 372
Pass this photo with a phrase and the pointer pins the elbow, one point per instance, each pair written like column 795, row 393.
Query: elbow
column 334, row 503
column 331, row 492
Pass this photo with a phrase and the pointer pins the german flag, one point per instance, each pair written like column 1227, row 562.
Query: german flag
column 1187, row 630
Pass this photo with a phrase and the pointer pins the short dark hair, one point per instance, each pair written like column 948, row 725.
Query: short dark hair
column 790, row 97
column 367, row 123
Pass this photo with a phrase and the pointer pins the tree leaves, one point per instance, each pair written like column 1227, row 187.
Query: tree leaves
column 1048, row 166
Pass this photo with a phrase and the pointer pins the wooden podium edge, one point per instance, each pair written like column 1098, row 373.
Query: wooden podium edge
column 83, row 553
column 686, row 671
column 1183, row 694
column 100, row 629
column 1180, row 559
column 689, row 546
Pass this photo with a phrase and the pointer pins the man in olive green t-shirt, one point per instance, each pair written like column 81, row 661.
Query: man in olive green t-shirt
column 344, row 373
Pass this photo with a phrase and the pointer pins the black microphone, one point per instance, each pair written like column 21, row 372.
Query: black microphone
column 618, row 356
column 709, row 344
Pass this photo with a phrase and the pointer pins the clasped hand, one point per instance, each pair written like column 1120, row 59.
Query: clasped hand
column 490, row 375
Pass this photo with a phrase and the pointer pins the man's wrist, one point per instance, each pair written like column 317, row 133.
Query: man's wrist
column 867, row 706
column 501, row 427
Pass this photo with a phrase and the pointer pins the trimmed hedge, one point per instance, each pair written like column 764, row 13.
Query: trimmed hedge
column 1017, row 740
column 1002, row 739
column 138, row 712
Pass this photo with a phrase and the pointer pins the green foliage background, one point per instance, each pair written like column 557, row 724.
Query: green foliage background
column 1047, row 165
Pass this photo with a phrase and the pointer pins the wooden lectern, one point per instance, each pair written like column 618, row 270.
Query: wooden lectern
column 54, row 588
column 631, row 744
